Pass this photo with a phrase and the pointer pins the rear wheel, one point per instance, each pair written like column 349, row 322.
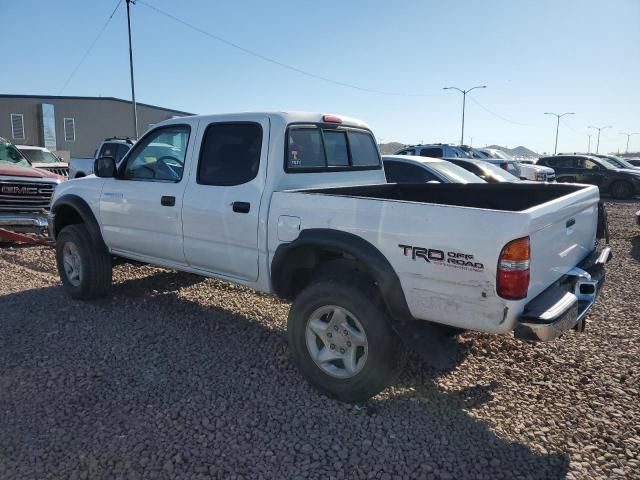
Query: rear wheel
column 341, row 338
column 84, row 268
column 622, row 190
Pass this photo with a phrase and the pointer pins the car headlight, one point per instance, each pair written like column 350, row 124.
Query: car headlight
column 541, row 177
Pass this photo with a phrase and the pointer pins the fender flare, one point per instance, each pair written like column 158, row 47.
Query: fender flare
column 376, row 263
column 86, row 214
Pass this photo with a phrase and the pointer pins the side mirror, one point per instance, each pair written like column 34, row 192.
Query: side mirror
column 105, row 167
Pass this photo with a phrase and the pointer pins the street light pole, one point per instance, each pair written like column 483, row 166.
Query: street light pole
column 589, row 145
column 133, row 89
column 599, row 129
column 628, row 137
column 558, row 117
column 464, row 103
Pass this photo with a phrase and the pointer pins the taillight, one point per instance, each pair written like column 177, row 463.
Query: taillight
column 512, row 280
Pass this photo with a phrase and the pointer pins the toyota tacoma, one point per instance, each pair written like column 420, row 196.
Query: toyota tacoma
column 296, row 204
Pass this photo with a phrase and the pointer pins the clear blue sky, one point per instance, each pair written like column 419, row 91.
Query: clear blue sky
column 534, row 56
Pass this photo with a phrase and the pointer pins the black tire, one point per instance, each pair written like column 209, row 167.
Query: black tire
column 356, row 293
column 622, row 190
column 94, row 264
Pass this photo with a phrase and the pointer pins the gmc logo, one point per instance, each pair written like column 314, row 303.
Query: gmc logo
column 21, row 190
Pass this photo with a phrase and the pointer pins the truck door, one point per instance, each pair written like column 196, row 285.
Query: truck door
column 140, row 208
column 222, row 201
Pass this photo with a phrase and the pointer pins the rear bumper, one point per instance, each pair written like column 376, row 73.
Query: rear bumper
column 565, row 304
column 34, row 223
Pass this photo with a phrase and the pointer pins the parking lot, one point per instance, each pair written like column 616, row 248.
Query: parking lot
column 174, row 376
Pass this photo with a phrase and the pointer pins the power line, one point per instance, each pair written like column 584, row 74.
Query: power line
column 277, row 62
column 95, row 40
column 498, row 115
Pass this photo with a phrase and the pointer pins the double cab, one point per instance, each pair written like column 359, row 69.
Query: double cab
column 297, row 204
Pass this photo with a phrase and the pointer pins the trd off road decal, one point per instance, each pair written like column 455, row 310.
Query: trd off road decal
column 464, row 261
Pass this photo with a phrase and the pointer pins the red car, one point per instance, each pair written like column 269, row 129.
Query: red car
column 25, row 192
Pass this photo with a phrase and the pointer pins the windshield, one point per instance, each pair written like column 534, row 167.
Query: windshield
column 454, row 173
column 617, row 162
column 10, row 154
column 39, row 156
column 498, row 173
column 501, row 155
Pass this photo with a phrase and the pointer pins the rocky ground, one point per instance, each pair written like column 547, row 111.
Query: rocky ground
column 178, row 377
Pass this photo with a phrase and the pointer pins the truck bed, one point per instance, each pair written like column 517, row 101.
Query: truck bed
column 509, row 197
column 473, row 221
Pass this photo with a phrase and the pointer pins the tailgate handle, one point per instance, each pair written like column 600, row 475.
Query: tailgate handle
column 571, row 222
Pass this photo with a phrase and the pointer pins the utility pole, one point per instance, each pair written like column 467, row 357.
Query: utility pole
column 133, row 89
column 464, row 102
column 599, row 129
column 558, row 117
column 589, row 145
column 628, row 137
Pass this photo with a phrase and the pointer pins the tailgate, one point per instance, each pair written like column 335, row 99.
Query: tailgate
column 564, row 232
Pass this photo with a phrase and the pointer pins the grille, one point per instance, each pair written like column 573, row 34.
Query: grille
column 25, row 196
column 64, row 171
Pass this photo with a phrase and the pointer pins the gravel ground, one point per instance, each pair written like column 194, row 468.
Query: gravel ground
column 179, row 377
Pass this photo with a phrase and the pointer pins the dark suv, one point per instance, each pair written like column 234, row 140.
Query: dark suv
column 620, row 182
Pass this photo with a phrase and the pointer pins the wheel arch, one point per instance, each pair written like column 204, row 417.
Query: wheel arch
column 294, row 263
column 72, row 209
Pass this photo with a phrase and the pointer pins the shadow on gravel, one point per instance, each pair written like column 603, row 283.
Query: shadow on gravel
column 635, row 247
column 158, row 386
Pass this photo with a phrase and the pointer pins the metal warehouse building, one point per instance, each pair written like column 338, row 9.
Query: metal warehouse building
column 73, row 126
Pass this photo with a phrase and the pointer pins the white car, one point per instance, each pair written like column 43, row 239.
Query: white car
column 414, row 169
column 43, row 158
column 296, row 204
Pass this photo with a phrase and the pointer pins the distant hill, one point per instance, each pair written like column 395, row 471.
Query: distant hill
column 517, row 151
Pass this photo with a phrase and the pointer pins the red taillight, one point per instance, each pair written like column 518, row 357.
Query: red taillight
column 331, row 119
column 512, row 280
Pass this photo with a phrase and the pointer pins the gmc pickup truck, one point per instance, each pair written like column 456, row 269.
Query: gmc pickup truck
column 296, row 204
column 25, row 192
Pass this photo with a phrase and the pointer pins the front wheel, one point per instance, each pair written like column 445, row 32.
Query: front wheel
column 341, row 339
column 84, row 268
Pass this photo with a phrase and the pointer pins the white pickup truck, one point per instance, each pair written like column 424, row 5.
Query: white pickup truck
column 296, row 204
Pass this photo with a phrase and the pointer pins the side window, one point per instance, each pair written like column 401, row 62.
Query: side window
column 159, row 156
column 121, row 149
column 588, row 164
column 431, row 152
column 108, row 150
column 561, row 162
column 398, row 172
column 230, row 154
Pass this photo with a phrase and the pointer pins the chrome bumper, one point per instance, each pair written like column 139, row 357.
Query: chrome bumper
column 566, row 303
column 24, row 223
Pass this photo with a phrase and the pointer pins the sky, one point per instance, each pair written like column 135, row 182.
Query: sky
column 534, row 56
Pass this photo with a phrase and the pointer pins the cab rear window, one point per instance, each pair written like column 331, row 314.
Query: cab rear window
column 313, row 148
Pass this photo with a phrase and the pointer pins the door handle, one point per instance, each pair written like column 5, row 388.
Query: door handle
column 241, row 207
column 168, row 201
